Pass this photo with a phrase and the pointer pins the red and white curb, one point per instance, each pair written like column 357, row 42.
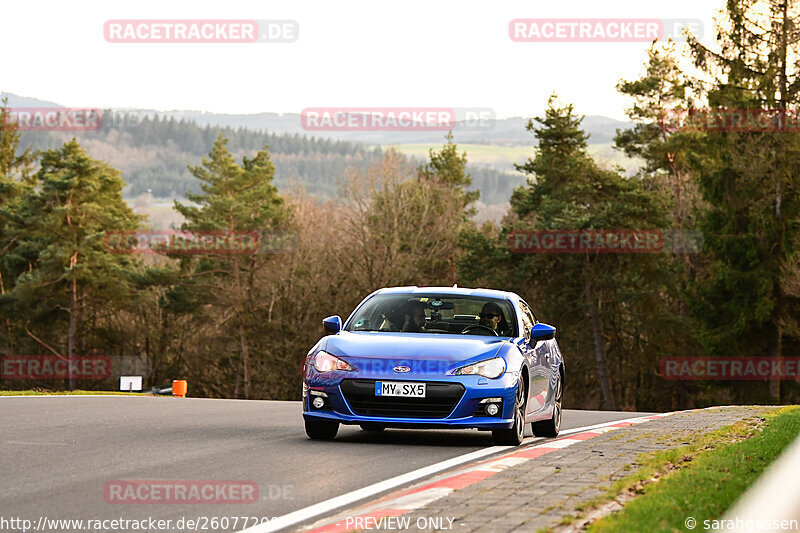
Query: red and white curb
column 377, row 513
column 401, row 502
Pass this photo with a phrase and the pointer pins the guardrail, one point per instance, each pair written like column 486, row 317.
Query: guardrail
column 773, row 499
column 158, row 390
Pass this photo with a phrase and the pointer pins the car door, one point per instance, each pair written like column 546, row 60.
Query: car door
column 524, row 344
column 539, row 356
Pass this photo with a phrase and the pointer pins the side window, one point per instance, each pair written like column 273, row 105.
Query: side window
column 528, row 311
column 527, row 320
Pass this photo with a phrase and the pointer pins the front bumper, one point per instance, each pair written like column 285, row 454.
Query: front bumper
column 467, row 411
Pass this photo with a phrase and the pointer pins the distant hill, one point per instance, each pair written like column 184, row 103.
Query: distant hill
column 153, row 155
column 153, row 149
column 508, row 131
column 23, row 101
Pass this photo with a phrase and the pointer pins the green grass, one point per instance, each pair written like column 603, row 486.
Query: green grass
column 70, row 393
column 503, row 157
column 487, row 155
column 702, row 479
column 567, row 520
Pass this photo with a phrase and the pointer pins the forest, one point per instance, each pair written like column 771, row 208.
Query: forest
column 153, row 151
column 239, row 325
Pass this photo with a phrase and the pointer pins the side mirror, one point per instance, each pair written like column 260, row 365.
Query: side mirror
column 332, row 324
column 542, row 332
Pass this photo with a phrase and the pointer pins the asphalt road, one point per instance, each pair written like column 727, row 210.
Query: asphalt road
column 58, row 453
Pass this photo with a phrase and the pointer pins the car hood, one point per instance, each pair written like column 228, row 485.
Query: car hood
column 406, row 347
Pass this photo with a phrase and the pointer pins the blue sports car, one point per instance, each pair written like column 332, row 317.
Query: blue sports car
column 436, row 357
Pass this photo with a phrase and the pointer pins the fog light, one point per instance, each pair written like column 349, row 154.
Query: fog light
column 318, row 402
column 492, row 409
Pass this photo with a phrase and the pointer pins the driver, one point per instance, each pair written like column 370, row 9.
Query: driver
column 413, row 313
column 492, row 316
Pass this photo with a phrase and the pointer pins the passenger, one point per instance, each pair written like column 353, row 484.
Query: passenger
column 413, row 313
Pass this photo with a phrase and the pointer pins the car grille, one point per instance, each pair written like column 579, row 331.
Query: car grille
column 440, row 400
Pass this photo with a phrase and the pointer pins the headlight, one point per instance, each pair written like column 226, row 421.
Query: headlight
column 491, row 368
column 325, row 362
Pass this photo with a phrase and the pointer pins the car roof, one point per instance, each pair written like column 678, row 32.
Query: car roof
column 460, row 291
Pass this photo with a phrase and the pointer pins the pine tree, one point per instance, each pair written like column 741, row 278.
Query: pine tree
column 568, row 191
column 16, row 169
column 234, row 198
column 751, row 180
column 57, row 232
column 663, row 93
column 17, row 177
column 447, row 170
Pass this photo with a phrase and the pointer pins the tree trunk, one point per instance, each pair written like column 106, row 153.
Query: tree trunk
column 8, row 321
column 163, row 344
column 775, row 384
column 240, row 310
column 245, row 359
column 72, row 319
column 238, row 380
column 599, row 350
column 783, row 82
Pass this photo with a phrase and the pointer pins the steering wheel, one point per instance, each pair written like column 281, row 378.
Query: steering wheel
column 471, row 327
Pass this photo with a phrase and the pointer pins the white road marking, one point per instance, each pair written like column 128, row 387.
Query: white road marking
column 37, row 443
column 77, row 396
column 560, row 443
column 307, row 513
column 415, row 500
column 502, row 464
column 368, row 492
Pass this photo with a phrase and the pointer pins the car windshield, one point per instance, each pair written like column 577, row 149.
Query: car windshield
column 435, row 313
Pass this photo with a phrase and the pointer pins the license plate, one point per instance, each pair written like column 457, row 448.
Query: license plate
column 398, row 388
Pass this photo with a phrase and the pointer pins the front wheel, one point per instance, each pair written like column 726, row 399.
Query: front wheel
column 550, row 428
column 321, row 429
column 513, row 436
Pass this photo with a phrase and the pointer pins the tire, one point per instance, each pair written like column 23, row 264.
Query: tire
column 550, row 428
column 514, row 435
column 372, row 427
column 321, row 429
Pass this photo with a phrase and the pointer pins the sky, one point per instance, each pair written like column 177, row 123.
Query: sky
column 349, row 53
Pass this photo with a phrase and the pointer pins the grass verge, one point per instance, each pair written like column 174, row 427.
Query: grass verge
column 703, row 479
